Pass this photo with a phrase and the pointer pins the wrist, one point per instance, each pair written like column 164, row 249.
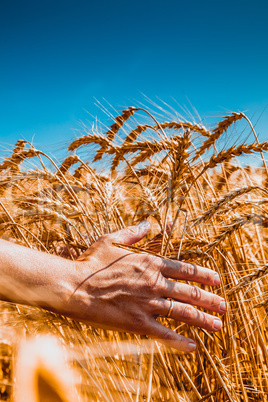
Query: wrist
column 56, row 293
column 75, row 297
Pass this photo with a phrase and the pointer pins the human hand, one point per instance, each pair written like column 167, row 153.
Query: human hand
column 117, row 289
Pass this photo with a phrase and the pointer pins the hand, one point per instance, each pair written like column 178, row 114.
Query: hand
column 117, row 289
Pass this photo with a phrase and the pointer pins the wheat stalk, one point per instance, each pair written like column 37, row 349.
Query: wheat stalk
column 52, row 211
column 222, row 127
column 228, row 198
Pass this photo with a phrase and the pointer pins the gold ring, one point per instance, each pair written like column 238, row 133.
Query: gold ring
column 170, row 308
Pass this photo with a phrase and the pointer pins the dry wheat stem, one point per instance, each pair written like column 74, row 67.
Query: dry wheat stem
column 214, row 365
column 235, row 225
column 217, row 132
column 14, row 223
column 257, row 140
column 152, row 117
column 246, row 280
column 229, row 197
column 74, row 196
column 235, row 357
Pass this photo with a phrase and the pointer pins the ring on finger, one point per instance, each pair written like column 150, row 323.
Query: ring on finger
column 171, row 307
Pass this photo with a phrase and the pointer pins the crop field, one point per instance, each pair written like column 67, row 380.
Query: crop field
column 207, row 203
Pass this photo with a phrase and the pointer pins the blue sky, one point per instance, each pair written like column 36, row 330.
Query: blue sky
column 58, row 56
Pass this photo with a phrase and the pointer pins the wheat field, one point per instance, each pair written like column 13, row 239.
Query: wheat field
column 205, row 206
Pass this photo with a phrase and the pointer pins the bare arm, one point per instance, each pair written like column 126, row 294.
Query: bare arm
column 113, row 288
column 34, row 278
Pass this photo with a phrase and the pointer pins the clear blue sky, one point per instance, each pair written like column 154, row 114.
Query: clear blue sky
column 57, row 56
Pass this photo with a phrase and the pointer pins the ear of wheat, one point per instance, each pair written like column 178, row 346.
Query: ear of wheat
column 155, row 169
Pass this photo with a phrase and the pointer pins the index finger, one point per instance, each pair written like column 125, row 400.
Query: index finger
column 189, row 272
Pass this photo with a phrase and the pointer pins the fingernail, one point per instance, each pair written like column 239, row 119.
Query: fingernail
column 217, row 325
column 191, row 346
column 217, row 280
column 223, row 307
column 144, row 224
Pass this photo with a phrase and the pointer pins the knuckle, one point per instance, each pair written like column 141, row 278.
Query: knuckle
column 209, row 276
column 205, row 320
column 188, row 313
column 215, row 302
column 195, row 293
column 154, row 283
column 138, row 320
column 147, row 261
column 154, row 306
column 161, row 283
column 189, row 269
column 159, row 263
column 103, row 238
column 152, row 262
column 149, row 283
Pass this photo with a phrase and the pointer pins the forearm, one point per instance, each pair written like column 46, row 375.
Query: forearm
column 33, row 277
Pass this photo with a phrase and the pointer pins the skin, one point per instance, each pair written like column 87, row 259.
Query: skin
column 113, row 288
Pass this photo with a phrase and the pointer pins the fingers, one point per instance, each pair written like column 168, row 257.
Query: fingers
column 129, row 235
column 190, row 315
column 195, row 296
column 189, row 272
column 170, row 338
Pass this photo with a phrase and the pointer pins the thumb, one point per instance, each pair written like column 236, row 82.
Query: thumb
column 131, row 234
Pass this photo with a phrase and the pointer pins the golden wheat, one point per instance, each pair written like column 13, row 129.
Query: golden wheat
column 219, row 220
